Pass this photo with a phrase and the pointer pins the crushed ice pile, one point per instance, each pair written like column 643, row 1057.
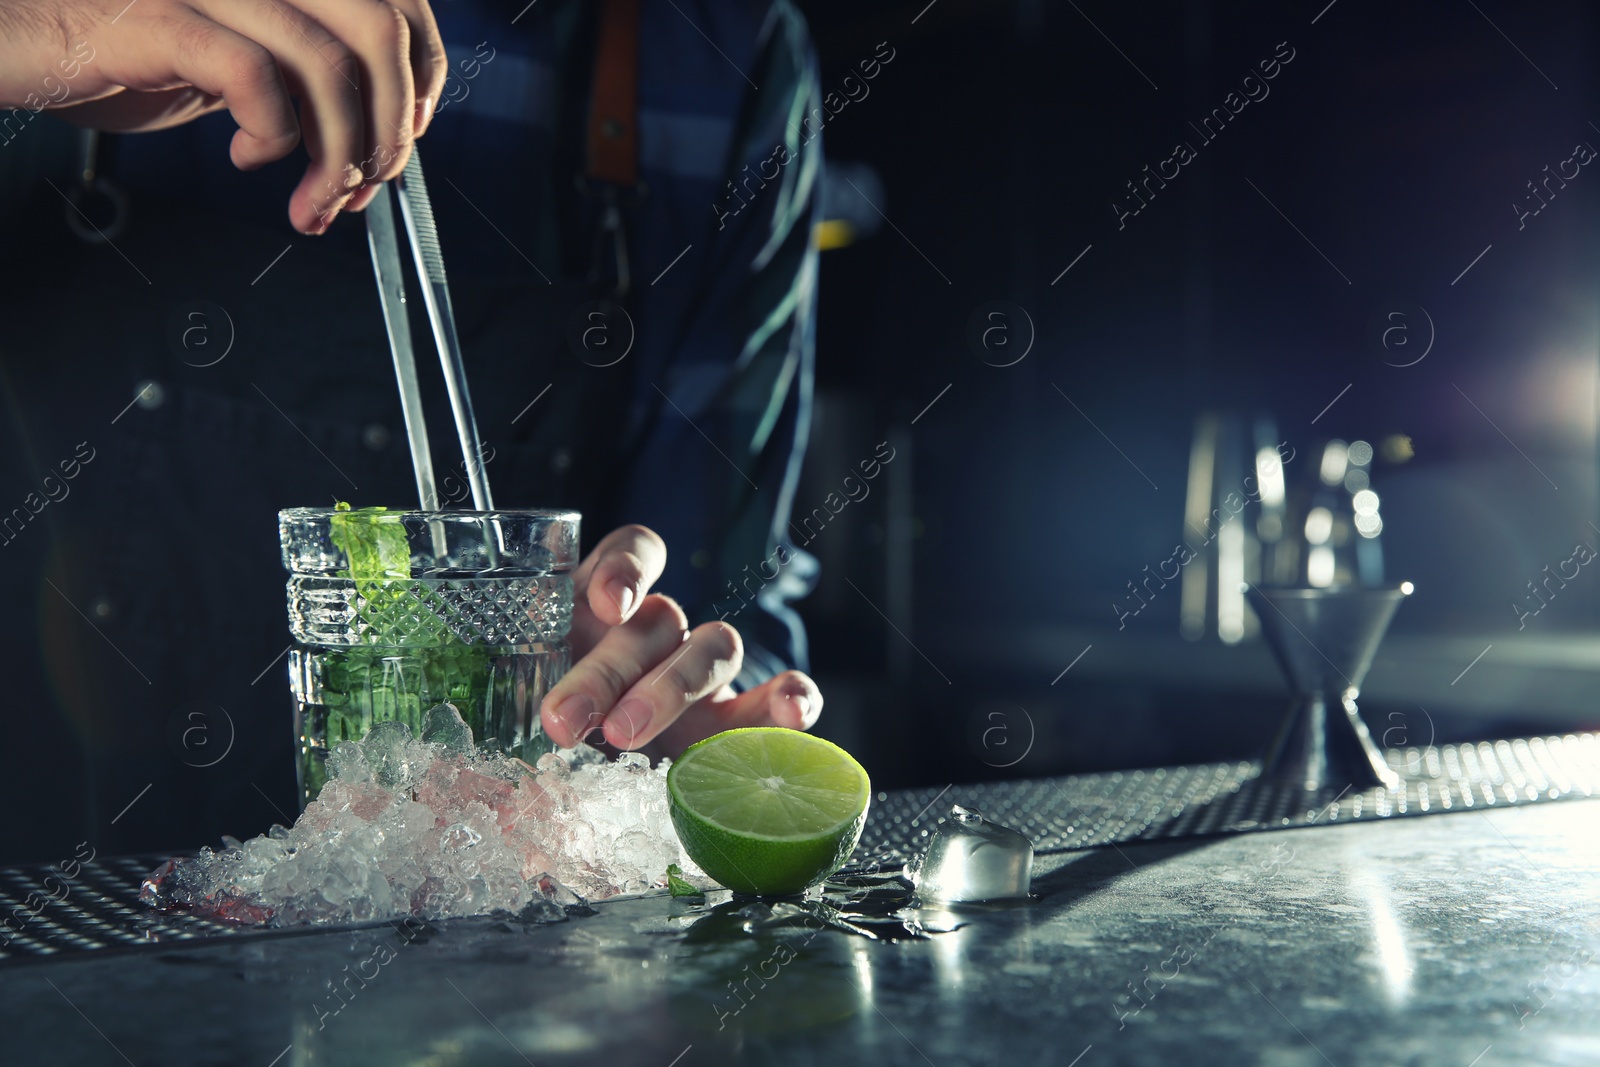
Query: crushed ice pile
column 436, row 828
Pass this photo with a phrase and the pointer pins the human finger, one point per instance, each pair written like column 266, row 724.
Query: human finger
column 709, row 660
column 323, row 71
column 580, row 701
column 190, row 48
column 617, row 575
column 429, row 65
column 379, row 34
column 791, row 700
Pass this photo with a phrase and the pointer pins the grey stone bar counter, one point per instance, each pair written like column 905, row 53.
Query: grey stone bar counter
column 1468, row 939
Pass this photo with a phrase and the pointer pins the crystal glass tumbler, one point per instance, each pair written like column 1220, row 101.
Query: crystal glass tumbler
column 395, row 612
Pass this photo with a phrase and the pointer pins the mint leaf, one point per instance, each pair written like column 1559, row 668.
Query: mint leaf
column 374, row 541
column 677, row 886
column 408, row 659
column 379, row 555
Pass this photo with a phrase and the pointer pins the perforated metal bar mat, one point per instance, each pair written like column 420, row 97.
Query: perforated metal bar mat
column 1082, row 811
column 43, row 912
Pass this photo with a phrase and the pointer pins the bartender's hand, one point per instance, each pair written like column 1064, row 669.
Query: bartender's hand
column 365, row 74
column 644, row 678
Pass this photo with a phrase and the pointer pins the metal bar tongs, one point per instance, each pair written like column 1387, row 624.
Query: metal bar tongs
column 423, row 236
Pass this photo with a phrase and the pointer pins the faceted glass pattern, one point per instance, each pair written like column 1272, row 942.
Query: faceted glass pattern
column 436, row 611
column 480, row 622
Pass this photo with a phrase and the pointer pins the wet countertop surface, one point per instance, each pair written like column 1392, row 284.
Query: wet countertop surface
column 1468, row 940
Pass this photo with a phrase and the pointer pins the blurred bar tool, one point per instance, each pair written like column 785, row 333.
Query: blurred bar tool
column 1233, row 519
column 1333, row 522
column 1253, row 515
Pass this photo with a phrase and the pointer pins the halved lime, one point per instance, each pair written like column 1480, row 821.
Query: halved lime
column 768, row 810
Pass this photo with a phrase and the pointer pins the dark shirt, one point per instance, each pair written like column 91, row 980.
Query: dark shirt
column 147, row 587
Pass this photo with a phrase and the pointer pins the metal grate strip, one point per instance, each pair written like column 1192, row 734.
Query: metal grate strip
column 44, row 913
column 1082, row 811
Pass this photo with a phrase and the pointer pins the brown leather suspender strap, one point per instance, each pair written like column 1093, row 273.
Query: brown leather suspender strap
column 614, row 104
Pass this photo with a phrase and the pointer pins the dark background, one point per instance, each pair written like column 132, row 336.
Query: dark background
column 988, row 555
column 1396, row 141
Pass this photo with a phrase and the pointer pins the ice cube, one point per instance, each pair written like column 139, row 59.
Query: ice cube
column 556, row 893
column 348, row 763
column 553, row 765
column 972, row 859
column 388, row 750
column 460, row 835
column 633, row 762
column 539, row 911
column 444, row 725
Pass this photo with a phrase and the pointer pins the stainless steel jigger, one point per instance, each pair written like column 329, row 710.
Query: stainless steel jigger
column 1325, row 641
